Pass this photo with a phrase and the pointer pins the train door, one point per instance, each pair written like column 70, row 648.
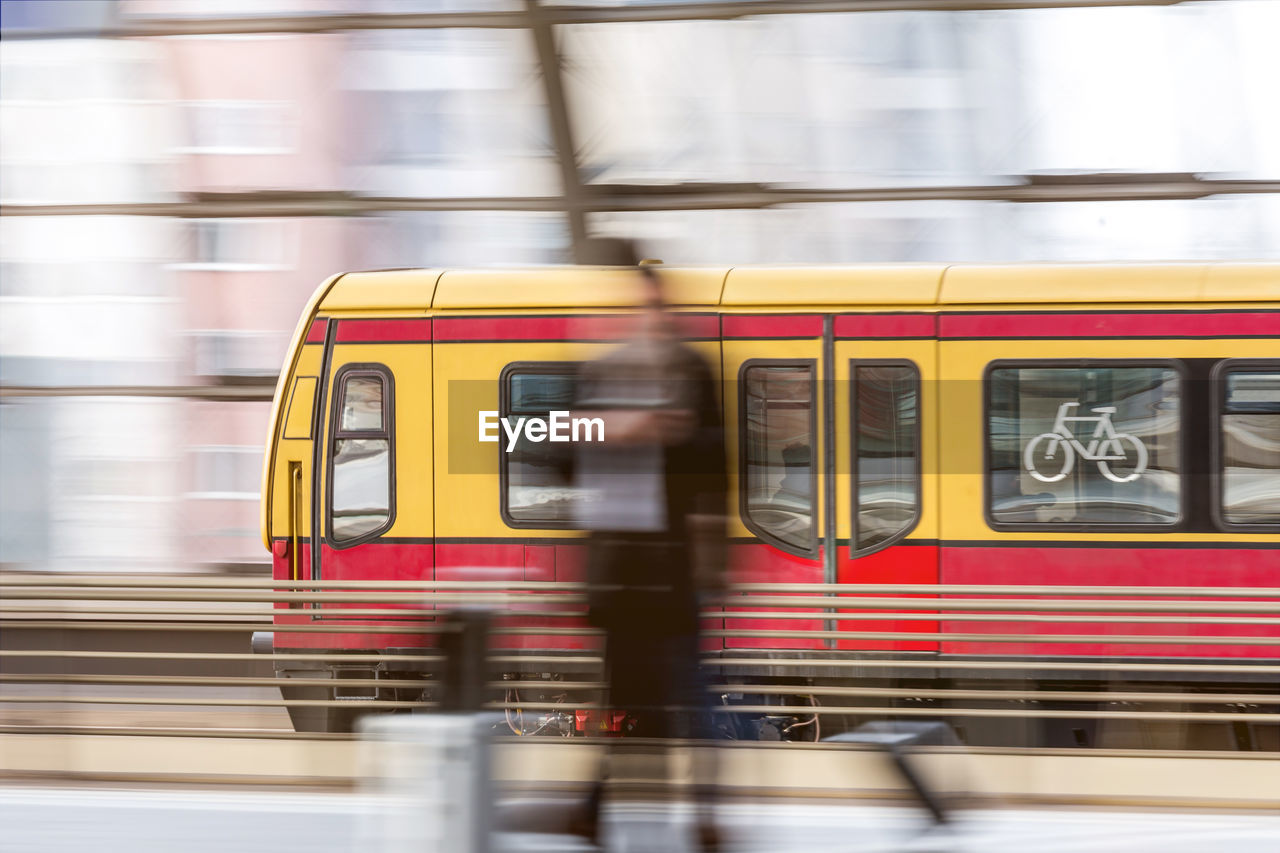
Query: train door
column 292, row 484
column 373, row 502
column 886, row 422
column 773, row 379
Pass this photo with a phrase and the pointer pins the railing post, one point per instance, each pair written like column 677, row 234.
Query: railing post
column 432, row 772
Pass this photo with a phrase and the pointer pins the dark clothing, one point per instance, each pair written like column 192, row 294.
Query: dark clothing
column 659, row 682
column 643, row 582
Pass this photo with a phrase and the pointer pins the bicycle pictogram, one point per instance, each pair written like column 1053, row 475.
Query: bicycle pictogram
column 1105, row 446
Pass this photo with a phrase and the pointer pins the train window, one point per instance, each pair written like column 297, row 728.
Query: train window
column 537, row 486
column 886, row 451
column 778, row 457
column 1249, row 443
column 1083, row 443
column 361, row 479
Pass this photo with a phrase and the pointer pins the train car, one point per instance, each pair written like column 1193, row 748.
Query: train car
column 1091, row 425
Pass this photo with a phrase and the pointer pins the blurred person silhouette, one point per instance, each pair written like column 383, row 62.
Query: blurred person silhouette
column 657, row 527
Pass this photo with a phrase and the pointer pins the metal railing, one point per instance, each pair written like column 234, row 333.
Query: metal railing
column 1209, row 654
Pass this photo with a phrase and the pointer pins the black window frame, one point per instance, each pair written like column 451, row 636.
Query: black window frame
column 1217, row 482
column 337, row 433
column 854, row 363
column 813, row 552
column 546, row 368
column 1184, row 418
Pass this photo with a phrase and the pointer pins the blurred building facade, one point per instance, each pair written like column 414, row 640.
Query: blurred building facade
column 84, row 302
column 120, row 300
column 257, row 114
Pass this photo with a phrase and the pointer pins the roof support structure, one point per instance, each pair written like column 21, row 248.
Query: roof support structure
column 581, row 199
column 572, row 199
column 711, row 10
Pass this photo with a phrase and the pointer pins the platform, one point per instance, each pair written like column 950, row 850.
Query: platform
column 74, row 819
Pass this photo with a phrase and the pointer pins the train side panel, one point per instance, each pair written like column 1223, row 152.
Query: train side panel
column 1141, row 372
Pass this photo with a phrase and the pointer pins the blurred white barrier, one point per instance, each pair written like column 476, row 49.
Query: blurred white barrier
column 428, row 777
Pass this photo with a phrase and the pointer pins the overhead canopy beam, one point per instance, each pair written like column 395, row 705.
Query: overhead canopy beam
column 566, row 151
column 712, row 10
column 600, row 198
column 219, row 393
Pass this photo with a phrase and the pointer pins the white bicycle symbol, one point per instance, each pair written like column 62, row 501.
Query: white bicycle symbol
column 1105, row 446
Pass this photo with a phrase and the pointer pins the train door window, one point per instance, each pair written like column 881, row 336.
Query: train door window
column 1249, row 443
column 537, row 485
column 361, row 466
column 778, row 459
column 1074, row 444
column 886, row 451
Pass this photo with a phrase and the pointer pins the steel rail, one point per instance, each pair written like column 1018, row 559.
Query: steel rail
column 12, row 611
column 171, row 731
column 215, row 702
column 851, row 590
column 217, row 681
column 745, row 633
column 1010, row 695
column 714, row 661
column 352, row 657
column 807, row 710
column 1260, row 604
column 1029, row 711
column 949, row 636
column 711, row 10
column 596, row 686
column 533, row 605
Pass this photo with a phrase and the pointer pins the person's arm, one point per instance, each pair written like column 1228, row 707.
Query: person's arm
column 629, row 427
column 708, row 525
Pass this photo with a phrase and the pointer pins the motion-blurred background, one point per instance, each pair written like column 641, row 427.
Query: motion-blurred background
column 177, row 176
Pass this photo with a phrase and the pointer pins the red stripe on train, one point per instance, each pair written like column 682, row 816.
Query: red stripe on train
column 1047, row 565
column 592, row 327
column 372, row 331
column 315, row 335
column 885, row 326
column 772, row 326
column 1102, row 325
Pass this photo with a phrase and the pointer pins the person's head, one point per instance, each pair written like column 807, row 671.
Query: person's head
column 656, row 322
column 615, row 252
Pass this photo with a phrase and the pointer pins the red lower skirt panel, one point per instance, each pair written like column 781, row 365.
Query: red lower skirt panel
column 1071, row 566
column 756, row 562
column 898, row 564
column 326, row 627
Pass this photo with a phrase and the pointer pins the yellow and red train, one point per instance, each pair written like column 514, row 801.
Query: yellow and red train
column 1051, row 425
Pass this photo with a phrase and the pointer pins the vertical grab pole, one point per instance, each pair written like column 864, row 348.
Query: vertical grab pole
column 295, row 509
column 830, row 551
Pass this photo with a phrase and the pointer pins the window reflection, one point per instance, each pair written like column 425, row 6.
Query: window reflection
column 779, row 444
column 1072, row 445
column 362, row 403
column 360, row 476
column 361, row 487
column 539, row 484
column 1251, row 448
column 886, row 428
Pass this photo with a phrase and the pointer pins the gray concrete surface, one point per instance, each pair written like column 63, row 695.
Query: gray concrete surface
column 55, row 819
